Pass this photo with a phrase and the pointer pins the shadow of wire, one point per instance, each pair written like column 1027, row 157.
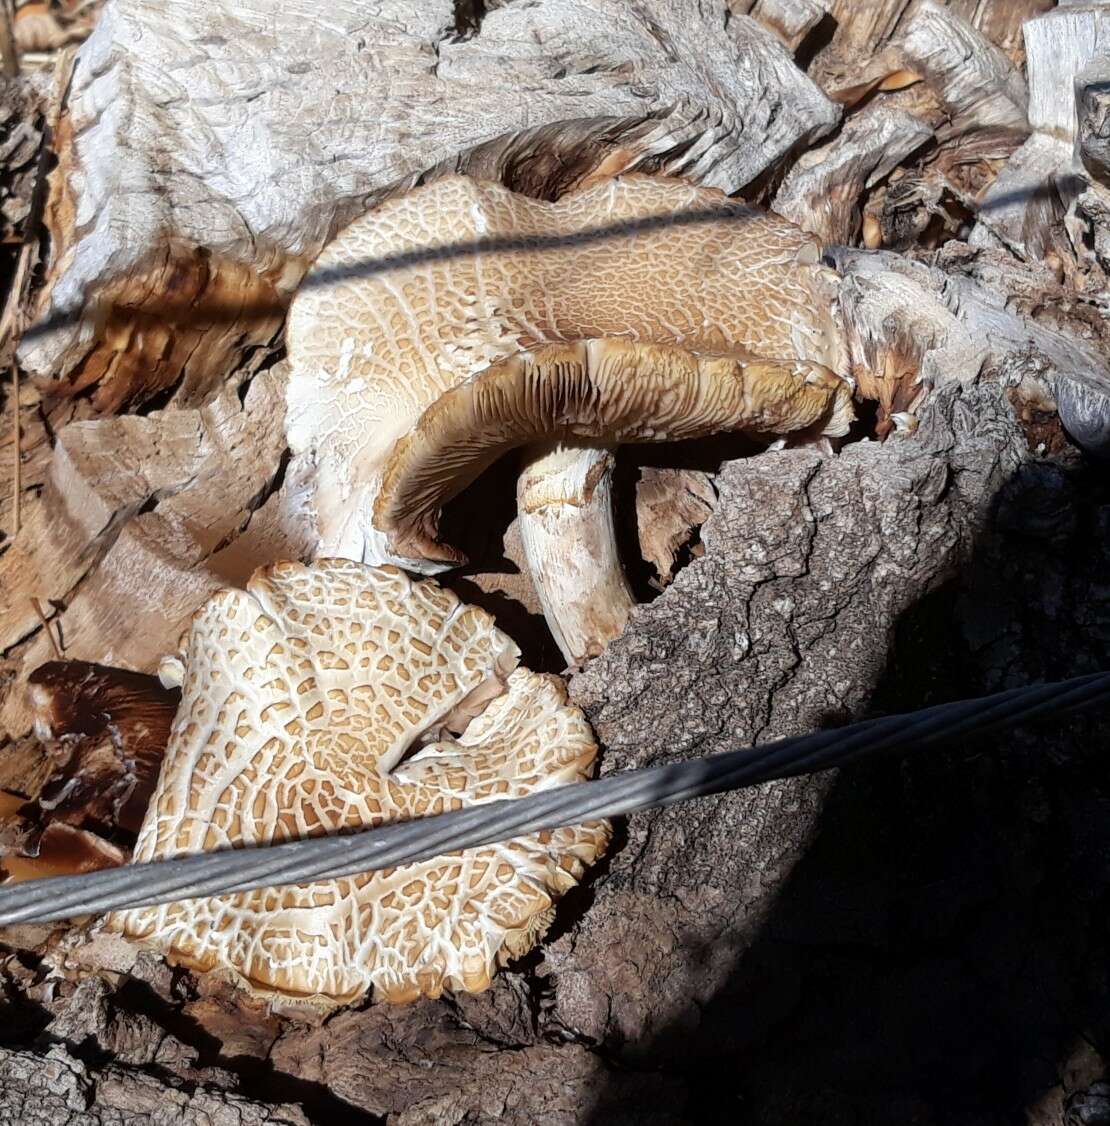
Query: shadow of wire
column 728, row 210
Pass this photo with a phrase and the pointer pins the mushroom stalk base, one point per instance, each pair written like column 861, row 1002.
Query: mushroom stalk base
column 564, row 498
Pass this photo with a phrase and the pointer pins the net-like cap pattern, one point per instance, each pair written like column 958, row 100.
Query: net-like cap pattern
column 434, row 287
column 302, row 701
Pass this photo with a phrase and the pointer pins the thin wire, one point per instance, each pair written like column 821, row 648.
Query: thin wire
column 388, row 846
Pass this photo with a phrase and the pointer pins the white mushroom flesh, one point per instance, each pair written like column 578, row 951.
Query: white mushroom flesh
column 570, row 543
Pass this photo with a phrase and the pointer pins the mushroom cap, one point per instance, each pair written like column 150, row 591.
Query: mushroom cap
column 431, row 288
column 303, row 697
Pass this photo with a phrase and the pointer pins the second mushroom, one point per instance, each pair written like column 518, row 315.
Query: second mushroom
column 334, row 697
column 461, row 320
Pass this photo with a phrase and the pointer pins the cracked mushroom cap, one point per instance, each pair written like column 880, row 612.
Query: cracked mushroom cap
column 436, row 291
column 321, row 699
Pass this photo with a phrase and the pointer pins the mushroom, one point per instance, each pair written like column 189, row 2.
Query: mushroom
column 106, row 728
column 321, row 699
column 456, row 322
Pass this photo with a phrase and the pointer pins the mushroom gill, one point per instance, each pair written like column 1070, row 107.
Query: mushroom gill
column 637, row 309
column 607, row 392
column 319, row 700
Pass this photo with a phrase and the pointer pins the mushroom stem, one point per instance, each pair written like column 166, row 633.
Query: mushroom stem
column 564, row 499
column 597, row 393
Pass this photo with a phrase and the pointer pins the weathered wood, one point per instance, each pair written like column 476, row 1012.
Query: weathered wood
column 1002, row 21
column 864, row 29
column 953, row 80
column 977, row 83
column 790, row 20
column 188, row 204
column 1026, row 206
column 946, row 322
column 824, row 190
column 1092, row 107
column 1092, row 151
column 140, row 520
column 1058, row 46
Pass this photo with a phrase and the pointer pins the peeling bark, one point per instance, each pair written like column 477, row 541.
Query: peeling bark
column 141, row 519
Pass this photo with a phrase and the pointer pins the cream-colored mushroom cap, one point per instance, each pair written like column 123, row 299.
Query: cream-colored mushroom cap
column 428, row 290
column 452, row 324
column 320, row 699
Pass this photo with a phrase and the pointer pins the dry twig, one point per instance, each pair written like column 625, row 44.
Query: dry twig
column 49, row 632
column 17, row 467
column 11, row 318
column 9, row 52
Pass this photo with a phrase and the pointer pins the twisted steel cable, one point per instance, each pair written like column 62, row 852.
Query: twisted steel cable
column 331, row 857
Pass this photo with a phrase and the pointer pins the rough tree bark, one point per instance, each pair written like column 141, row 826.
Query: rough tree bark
column 56, row 1088
column 783, row 625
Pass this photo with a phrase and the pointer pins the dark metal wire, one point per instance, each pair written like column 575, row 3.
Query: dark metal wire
column 324, row 858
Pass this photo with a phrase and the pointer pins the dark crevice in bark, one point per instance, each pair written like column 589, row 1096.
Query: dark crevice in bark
column 468, row 17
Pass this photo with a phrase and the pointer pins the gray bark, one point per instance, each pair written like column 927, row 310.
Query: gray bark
column 760, row 638
column 55, row 1088
column 824, row 189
